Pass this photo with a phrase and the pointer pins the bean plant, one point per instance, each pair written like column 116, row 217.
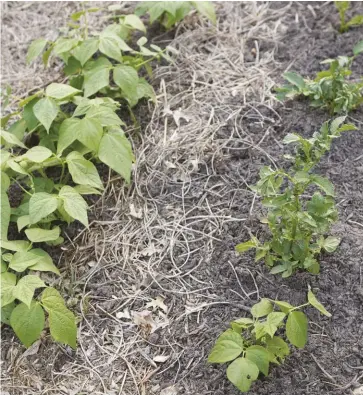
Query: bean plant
column 253, row 343
column 356, row 20
column 50, row 155
column 169, row 13
column 300, row 204
column 331, row 89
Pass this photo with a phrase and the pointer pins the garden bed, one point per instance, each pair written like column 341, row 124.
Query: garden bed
column 170, row 235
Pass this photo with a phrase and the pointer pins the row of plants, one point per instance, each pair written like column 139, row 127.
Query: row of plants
column 300, row 210
column 51, row 152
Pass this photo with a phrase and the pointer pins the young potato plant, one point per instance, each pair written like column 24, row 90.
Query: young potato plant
column 342, row 7
column 330, row 89
column 298, row 221
column 253, row 343
column 169, row 13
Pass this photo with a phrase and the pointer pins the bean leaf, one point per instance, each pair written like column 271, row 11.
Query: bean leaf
column 38, row 235
column 297, row 329
column 74, row 204
column 24, row 289
column 260, row 356
column 242, row 372
column 229, row 346
column 262, row 308
column 41, row 205
column 46, row 110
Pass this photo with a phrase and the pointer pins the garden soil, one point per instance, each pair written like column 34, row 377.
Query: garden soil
column 155, row 280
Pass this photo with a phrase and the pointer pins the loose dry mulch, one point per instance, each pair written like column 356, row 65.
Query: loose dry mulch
column 155, row 279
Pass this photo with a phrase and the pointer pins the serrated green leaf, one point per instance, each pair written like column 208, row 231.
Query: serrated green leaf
column 38, row 154
column 45, row 263
column 262, row 308
column 74, row 204
column 314, row 302
column 228, row 346
column 7, row 282
column 27, row 323
column 25, row 288
column 241, row 373
column 242, row 247
column 46, row 110
column 38, row 235
column 259, row 355
column 297, row 329
column 35, row 49
column 41, row 205
column 115, row 151
column 83, row 171
column 60, row 91
column 86, row 50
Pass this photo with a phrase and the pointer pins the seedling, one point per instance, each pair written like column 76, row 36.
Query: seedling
column 169, row 13
column 342, row 7
column 331, row 89
column 298, row 217
column 252, row 343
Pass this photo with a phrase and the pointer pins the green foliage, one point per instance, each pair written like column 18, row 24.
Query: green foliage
column 169, row 13
column 342, row 7
column 330, row 89
column 252, row 343
column 298, row 223
column 51, row 152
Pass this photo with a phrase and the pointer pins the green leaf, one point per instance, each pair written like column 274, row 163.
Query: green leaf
column 284, row 306
column 135, row 22
column 262, row 308
column 115, row 151
column 27, row 323
column 297, row 329
column 22, row 222
column 357, row 20
column 275, row 317
column 126, row 78
column 358, row 48
column 11, row 139
column 86, row 50
column 60, row 91
column 38, row 154
column 242, row 247
column 25, row 288
column 86, row 190
column 7, row 282
column 5, row 215
column 228, row 346
column 38, row 235
column 109, row 46
column 330, row 244
column 74, row 204
column 45, row 263
column 291, row 138
column 278, row 347
column 18, row 129
column 63, row 45
column 15, row 245
column 67, row 133
column 95, row 80
column 295, row 79
column 28, row 114
column 46, row 110
column 6, row 313
column 314, row 302
column 105, row 115
column 35, row 49
column 302, row 176
column 90, row 132
column 16, row 167
column 22, row 260
column 206, row 8
column 324, row 184
column 62, row 321
column 83, row 171
column 242, row 372
column 41, row 204
column 259, row 355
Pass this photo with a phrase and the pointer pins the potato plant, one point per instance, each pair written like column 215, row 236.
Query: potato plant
column 253, row 343
column 331, row 89
column 356, row 20
column 299, row 217
column 169, row 13
column 50, row 153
